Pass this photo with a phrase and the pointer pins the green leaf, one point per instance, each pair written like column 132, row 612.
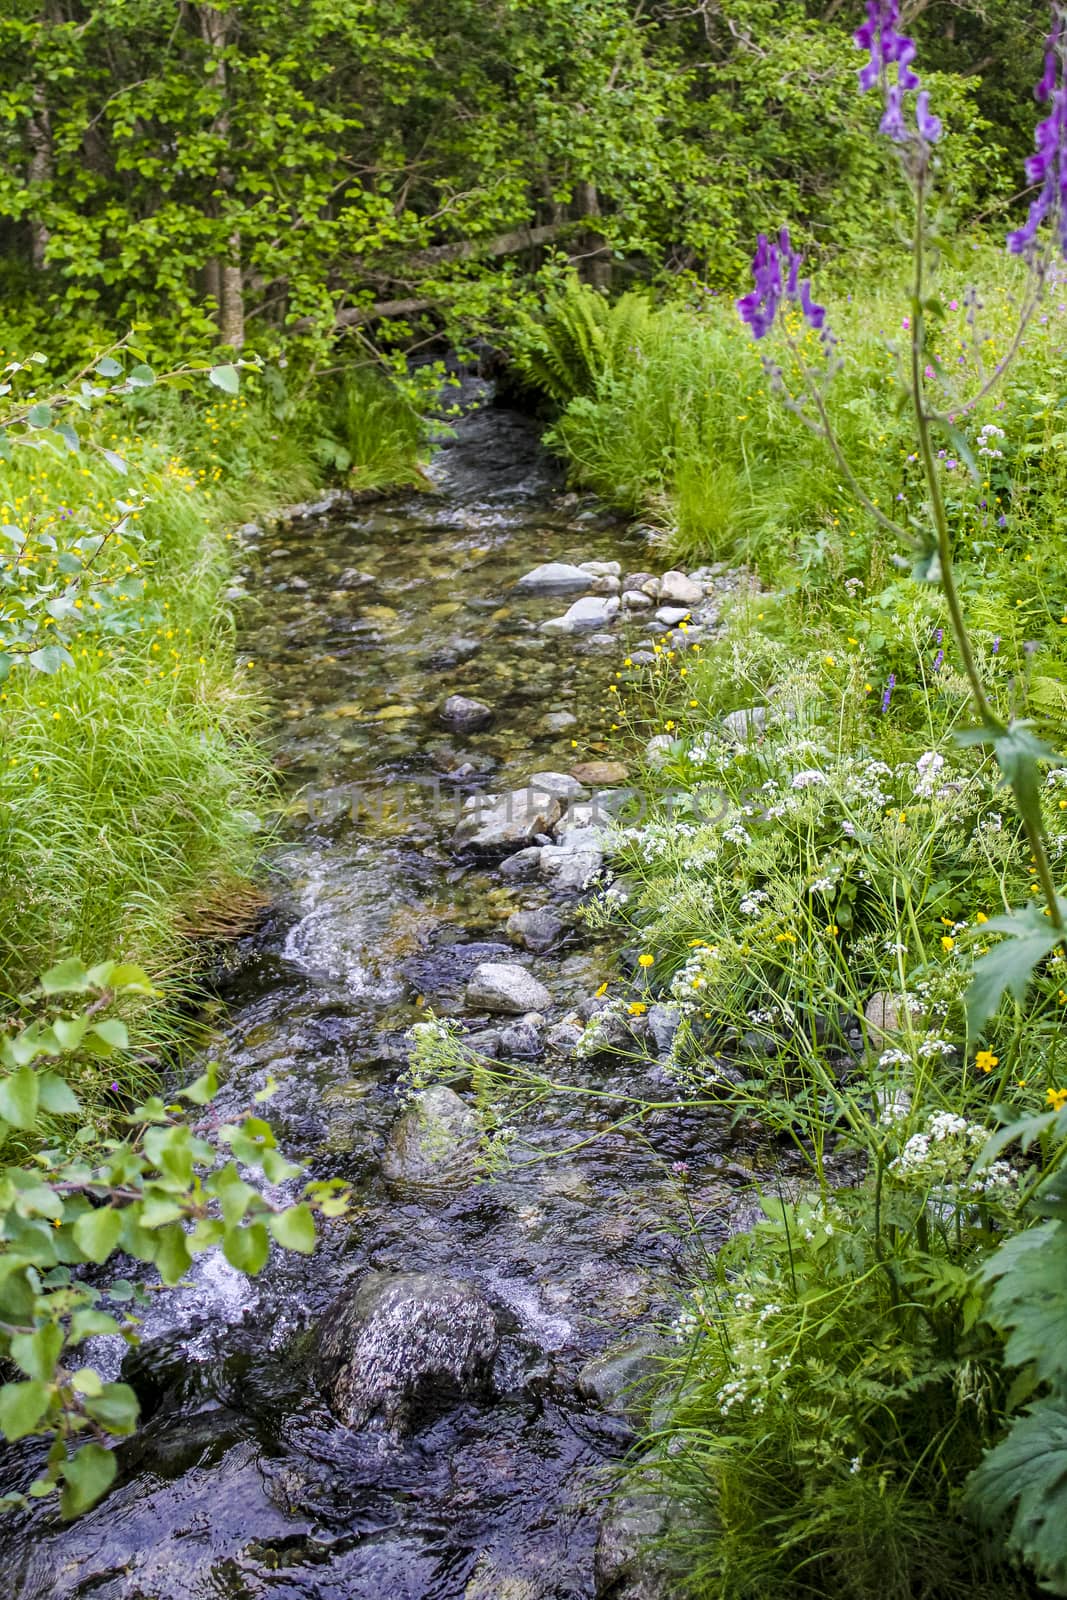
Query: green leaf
column 37, row 1353
column 69, row 437
column 294, row 1229
column 172, row 1253
column 115, row 461
column 56, row 1095
column 88, row 1474
column 247, row 1249
column 96, row 1233
column 204, row 1088
column 1024, row 1478
column 69, row 977
column 70, row 1031
column 1008, row 965
column 108, row 367
column 22, row 1405
column 116, row 1408
column 18, row 1098
column 225, row 378
column 40, row 415
column 50, row 658
column 141, row 377
column 113, row 1032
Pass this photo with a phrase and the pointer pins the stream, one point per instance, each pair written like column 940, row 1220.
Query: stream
column 244, row 1482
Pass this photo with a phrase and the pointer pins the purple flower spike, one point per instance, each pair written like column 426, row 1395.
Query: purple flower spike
column 1047, row 168
column 759, row 308
column 888, row 694
column 888, row 48
column 929, row 126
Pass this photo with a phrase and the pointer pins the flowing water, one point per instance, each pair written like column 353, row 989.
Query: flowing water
column 242, row 1483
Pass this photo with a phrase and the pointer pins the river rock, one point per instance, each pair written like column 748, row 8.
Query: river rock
column 521, row 1041
column 518, row 818
column 564, row 1038
column 625, row 1564
column 573, row 864
column 523, row 864
column 504, row 986
column 659, row 749
column 634, row 600
column 587, row 615
column 671, row 616
column 745, row 725
column 564, row 785
column 619, row 1378
column 558, row 721
column 434, row 1142
column 677, row 590
column 605, row 585
column 886, row 1014
column 637, row 580
column 595, row 773
column 466, row 715
column 663, row 1023
column 536, row 930
column 554, row 577
column 353, row 578
column 400, row 1346
column 601, row 569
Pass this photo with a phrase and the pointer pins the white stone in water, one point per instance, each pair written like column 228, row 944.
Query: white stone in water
column 401, row 1345
column 745, row 725
column 591, row 613
column 517, row 818
column 634, row 600
column 601, row 569
column 679, row 590
column 672, row 615
column 560, row 784
column 505, row 987
column 554, row 577
column 558, row 721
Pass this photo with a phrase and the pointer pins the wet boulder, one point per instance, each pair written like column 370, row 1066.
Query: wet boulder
column 587, row 615
column 619, row 1380
column 515, row 819
column 554, row 577
column 536, row 930
column 433, row 1143
column 503, row 987
column 466, row 715
column 678, row 590
column 399, row 1348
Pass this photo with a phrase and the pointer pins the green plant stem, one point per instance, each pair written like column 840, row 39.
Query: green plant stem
column 988, row 717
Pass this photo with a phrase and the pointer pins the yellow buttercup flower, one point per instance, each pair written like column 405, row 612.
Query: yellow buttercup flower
column 645, row 960
column 985, row 1061
column 948, row 944
column 1056, row 1098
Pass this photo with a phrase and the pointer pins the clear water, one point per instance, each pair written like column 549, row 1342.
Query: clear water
column 241, row 1484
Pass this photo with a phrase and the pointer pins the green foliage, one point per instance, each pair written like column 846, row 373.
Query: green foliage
column 160, row 1194
column 207, row 168
column 833, row 1386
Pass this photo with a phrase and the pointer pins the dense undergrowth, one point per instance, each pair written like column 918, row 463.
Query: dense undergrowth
column 133, row 787
column 813, row 885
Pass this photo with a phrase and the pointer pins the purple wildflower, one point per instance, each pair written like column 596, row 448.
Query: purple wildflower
column 759, row 308
column 889, row 48
column 939, row 635
column 1047, row 168
column 996, row 645
column 938, row 659
column 888, row 695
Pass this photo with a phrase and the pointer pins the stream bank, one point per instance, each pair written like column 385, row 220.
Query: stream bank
column 274, row 1460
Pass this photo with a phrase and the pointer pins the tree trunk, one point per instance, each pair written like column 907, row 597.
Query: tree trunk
column 596, row 269
column 40, row 170
column 232, row 307
column 224, row 275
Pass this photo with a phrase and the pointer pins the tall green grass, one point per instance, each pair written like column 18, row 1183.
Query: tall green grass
column 133, row 788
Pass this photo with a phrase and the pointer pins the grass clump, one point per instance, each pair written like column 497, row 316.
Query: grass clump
column 812, row 881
